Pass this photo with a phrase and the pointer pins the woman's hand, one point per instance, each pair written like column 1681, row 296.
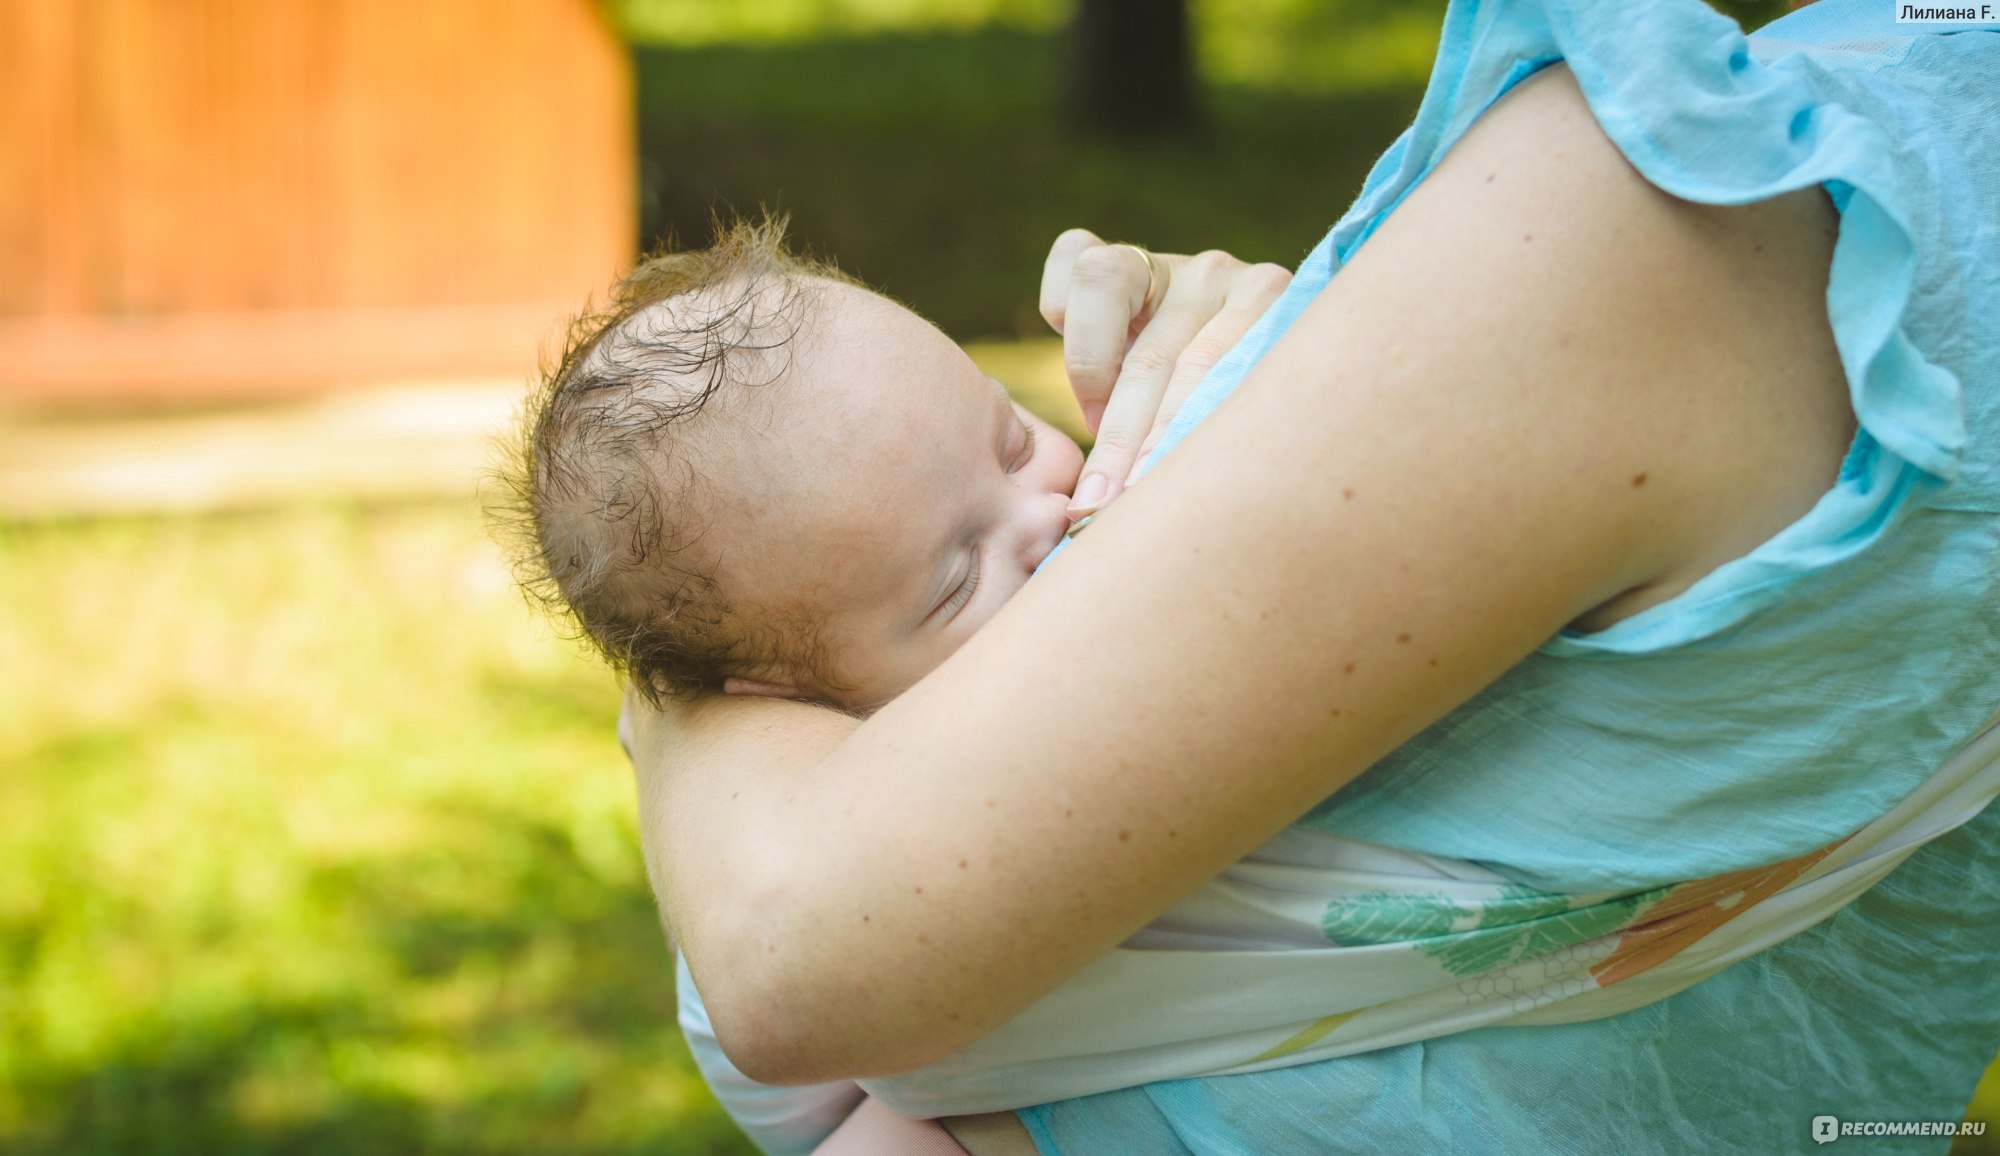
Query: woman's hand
column 1138, row 339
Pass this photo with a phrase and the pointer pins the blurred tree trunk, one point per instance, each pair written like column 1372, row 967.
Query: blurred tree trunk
column 1132, row 66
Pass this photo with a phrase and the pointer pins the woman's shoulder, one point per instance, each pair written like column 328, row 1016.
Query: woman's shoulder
column 1877, row 120
column 1748, row 705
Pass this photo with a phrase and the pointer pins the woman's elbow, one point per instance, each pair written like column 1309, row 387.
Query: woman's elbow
column 766, row 1049
column 797, row 1004
column 794, row 998
column 776, row 1032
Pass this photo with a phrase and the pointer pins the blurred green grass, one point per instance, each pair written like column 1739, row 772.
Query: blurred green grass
column 316, row 840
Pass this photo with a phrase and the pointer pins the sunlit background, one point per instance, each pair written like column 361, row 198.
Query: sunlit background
column 313, row 838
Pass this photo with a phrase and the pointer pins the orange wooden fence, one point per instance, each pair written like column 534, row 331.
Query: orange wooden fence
column 220, row 196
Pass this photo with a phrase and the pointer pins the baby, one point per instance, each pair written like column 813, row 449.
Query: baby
column 750, row 474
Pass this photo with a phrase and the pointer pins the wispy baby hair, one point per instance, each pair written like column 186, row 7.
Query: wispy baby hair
column 601, row 486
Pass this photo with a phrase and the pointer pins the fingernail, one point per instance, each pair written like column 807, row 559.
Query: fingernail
column 1093, row 414
column 1089, row 493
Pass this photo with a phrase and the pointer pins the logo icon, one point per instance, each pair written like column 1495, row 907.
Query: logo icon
column 1826, row 1129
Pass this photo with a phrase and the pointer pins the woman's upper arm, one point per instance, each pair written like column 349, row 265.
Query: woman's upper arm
column 1542, row 389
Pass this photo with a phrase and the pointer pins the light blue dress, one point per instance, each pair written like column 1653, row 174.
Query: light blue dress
column 1783, row 701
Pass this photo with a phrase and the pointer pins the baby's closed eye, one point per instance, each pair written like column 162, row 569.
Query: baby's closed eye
column 963, row 594
column 1026, row 453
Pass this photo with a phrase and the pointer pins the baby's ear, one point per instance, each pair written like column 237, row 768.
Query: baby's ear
column 761, row 689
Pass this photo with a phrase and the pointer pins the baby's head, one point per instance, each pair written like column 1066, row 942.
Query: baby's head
column 749, row 473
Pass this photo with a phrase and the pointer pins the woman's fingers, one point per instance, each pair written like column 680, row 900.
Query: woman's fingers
column 1143, row 381
column 1212, row 299
column 1138, row 336
column 1105, row 305
column 1250, row 295
column 1056, row 272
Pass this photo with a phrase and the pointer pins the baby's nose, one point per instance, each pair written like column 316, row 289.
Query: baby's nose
column 1044, row 529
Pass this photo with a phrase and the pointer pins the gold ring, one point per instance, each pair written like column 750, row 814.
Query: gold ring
column 1152, row 272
